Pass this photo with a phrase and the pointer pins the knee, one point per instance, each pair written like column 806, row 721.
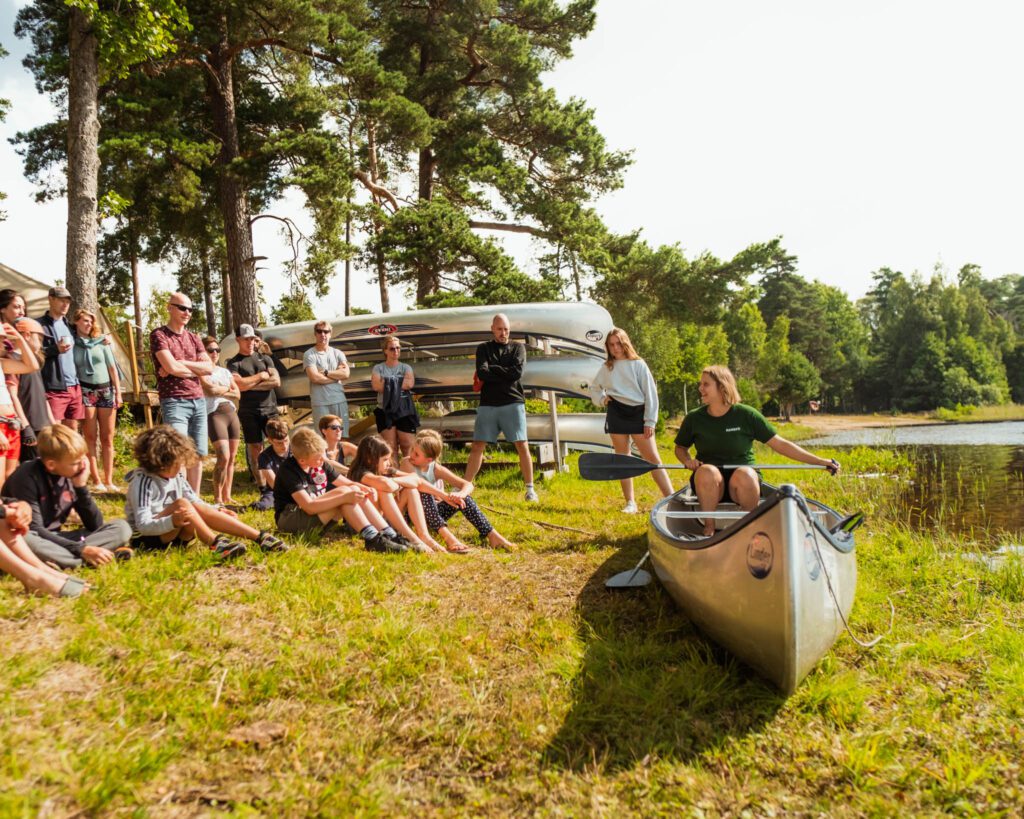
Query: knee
column 744, row 476
column 707, row 475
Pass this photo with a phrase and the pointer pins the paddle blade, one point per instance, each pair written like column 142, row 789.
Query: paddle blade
column 607, row 466
column 631, row 579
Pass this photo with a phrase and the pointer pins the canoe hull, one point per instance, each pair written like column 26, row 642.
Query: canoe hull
column 773, row 588
column 578, row 430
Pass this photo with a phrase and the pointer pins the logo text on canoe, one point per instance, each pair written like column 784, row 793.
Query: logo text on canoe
column 760, row 555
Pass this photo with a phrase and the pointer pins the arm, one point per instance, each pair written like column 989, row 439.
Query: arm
column 597, row 385
column 269, row 476
column 650, row 393
column 116, row 382
column 797, row 453
column 201, row 366
column 317, row 377
column 504, row 372
column 463, row 488
column 342, row 371
column 28, row 362
column 331, row 499
column 376, row 381
column 380, row 483
column 409, row 379
column 170, row 365
column 274, row 377
column 146, row 523
column 683, row 456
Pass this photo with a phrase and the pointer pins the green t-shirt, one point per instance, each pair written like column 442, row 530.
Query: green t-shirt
column 728, row 439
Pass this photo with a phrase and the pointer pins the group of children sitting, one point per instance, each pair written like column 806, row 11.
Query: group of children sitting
column 393, row 509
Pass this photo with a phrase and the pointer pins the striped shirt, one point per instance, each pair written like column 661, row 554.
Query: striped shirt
column 149, row 495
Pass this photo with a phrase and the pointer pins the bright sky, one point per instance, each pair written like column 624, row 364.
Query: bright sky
column 867, row 135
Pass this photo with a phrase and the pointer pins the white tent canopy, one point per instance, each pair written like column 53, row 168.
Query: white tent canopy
column 35, row 295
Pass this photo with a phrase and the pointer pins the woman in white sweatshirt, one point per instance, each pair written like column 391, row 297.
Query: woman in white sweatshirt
column 625, row 387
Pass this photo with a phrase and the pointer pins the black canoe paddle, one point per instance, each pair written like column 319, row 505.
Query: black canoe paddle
column 609, row 466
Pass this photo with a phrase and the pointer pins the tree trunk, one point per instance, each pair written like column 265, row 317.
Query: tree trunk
column 232, row 197
column 229, row 317
column 382, row 279
column 348, row 259
column 83, row 161
column 211, row 314
column 133, row 260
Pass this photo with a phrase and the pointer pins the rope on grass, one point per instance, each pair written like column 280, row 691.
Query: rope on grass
column 541, row 523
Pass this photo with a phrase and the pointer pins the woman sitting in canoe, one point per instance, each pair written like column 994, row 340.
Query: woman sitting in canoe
column 625, row 387
column 723, row 431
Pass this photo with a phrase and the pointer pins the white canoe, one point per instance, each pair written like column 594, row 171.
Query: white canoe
column 568, row 326
column 451, row 378
column 773, row 587
column 578, row 430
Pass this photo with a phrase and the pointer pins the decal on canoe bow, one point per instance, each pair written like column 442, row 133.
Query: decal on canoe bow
column 760, row 555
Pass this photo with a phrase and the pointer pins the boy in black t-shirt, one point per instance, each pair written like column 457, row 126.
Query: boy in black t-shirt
column 270, row 460
column 310, row 496
column 256, row 376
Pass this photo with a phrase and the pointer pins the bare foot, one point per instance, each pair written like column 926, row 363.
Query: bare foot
column 496, row 541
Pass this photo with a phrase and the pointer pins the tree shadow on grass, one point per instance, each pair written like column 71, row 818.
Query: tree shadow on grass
column 650, row 683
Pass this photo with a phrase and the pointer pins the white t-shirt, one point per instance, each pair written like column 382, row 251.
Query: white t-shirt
column 222, row 378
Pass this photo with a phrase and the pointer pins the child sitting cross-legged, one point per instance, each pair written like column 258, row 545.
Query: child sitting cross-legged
column 311, row 496
column 163, row 509
column 53, row 485
column 270, row 460
column 424, row 461
column 398, row 494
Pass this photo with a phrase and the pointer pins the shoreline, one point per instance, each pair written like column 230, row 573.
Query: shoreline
column 826, row 424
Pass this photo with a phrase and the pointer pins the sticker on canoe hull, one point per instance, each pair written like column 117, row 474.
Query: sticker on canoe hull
column 760, row 555
column 594, row 335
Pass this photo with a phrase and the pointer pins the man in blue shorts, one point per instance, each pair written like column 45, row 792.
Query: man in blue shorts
column 499, row 366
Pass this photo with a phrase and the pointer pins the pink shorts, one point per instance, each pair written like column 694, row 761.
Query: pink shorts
column 66, row 404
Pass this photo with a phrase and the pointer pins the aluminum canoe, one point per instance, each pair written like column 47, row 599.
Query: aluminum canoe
column 577, row 430
column 449, row 378
column 773, row 587
column 572, row 327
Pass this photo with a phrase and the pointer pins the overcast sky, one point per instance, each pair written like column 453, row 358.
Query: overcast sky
column 866, row 135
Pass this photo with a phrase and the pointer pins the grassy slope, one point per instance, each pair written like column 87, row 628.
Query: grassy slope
column 500, row 683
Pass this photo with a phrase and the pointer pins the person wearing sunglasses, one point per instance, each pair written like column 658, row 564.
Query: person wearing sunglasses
column 222, row 423
column 331, row 428
column 180, row 360
column 326, row 368
column 63, row 392
column 393, row 380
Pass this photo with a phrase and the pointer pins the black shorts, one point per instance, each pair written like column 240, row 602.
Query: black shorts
column 726, row 477
column 407, row 423
column 254, row 426
column 622, row 419
column 153, row 542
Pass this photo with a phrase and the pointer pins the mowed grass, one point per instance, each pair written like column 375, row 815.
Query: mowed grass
column 331, row 681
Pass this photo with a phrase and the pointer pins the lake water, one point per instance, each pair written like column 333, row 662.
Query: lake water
column 969, row 477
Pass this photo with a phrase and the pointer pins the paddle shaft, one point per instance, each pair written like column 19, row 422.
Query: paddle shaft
column 601, row 466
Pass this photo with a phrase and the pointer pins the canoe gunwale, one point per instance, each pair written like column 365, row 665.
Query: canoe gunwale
column 778, row 494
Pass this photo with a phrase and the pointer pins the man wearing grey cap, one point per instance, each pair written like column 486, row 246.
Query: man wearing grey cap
column 63, row 392
column 180, row 358
column 256, row 377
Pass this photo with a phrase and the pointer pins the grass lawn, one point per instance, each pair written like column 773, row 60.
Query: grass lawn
column 331, row 681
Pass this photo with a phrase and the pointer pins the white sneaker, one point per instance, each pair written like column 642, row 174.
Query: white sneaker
column 531, row 495
column 630, row 508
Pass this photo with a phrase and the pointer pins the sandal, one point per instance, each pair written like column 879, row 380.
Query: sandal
column 73, row 587
column 458, row 549
column 271, row 543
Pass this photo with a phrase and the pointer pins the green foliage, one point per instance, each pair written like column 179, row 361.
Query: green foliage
column 293, row 307
column 798, row 381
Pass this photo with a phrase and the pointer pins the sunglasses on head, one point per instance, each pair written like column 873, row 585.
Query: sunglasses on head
column 182, row 307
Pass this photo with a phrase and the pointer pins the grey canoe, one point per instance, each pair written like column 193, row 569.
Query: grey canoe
column 577, row 430
column 772, row 587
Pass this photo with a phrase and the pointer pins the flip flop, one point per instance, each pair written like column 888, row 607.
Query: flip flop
column 73, row 587
column 461, row 549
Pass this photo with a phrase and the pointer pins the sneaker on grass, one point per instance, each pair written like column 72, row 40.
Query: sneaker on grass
column 225, row 547
column 382, row 543
column 531, row 495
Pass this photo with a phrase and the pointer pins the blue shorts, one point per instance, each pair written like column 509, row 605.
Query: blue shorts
column 509, row 419
column 188, row 416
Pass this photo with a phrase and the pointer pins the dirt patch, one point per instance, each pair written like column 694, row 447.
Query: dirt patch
column 839, row 423
column 37, row 633
column 65, row 680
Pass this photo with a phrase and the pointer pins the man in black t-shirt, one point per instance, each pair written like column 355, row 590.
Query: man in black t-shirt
column 256, row 377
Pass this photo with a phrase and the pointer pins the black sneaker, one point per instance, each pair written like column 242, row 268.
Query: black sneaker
column 400, row 539
column 382, row 543
column 226, row 548
column 271, row 543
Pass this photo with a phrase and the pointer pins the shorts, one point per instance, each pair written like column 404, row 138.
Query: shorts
column 12, row 434
column 188, row 416
column 254, row 426
column 623, row 419
column 222, row 423
column 339, row 408
column 66, row 404
column 726, row 477
column 98, row 396
column 294, row 521
column 407, row 423
column 154, row 543
column 509, row 419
